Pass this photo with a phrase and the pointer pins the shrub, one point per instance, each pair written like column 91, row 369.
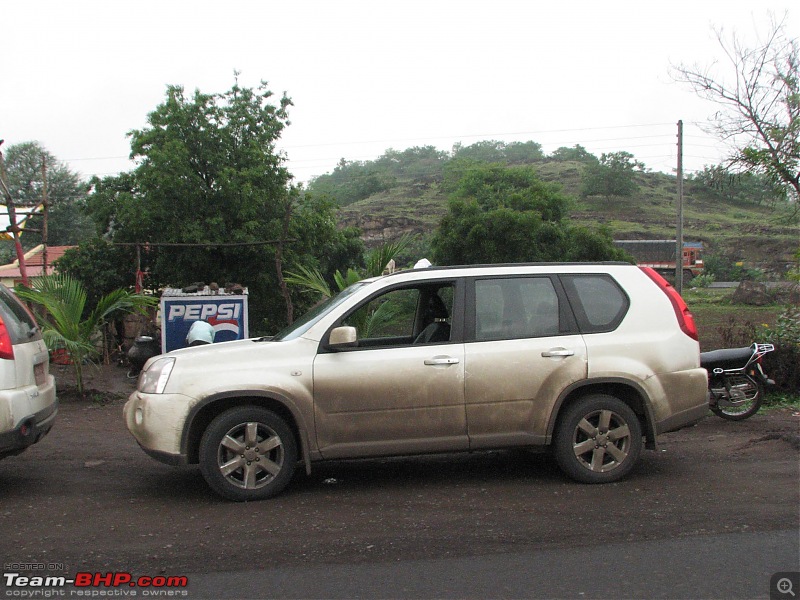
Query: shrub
column 703, row 281
column 783, row 365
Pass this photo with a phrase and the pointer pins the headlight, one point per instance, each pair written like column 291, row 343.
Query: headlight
column 154, row 379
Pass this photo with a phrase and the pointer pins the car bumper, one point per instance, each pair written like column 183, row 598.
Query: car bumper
column 33, row 426
column 156, row 421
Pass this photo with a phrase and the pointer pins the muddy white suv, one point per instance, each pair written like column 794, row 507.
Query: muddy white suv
column 28, row 404
column 588, row 359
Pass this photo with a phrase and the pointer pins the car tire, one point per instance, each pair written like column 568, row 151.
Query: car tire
column 248, row 453
column 598, row 439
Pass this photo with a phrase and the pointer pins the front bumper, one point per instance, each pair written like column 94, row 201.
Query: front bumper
column 157, row 422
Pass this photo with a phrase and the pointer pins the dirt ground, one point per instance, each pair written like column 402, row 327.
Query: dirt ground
column 87, row 498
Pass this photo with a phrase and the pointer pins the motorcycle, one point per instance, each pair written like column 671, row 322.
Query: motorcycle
column 736, row 381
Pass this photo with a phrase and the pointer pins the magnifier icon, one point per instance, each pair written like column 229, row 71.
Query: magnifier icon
column 784, row 586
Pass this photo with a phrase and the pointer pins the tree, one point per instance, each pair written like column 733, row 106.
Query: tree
column 577, row 153
column 717, row 182
column 758, row 91
column 68, row 323
column 209, row 174
column 501, row 152
column 352, row 181
column 66, row 193
column 507, row 214
column 101, row 266
column 613, row 175
column 420, row 163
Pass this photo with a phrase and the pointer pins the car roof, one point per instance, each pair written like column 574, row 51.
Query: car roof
column 499, row 267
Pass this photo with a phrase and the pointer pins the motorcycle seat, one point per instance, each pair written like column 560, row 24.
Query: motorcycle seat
column 727, row 358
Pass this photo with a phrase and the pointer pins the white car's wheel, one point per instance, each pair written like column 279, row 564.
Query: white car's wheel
column 248, row 453
column 598, row 440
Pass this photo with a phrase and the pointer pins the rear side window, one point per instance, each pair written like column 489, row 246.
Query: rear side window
column 519, row 307
column 18, row 321
column 597, row 300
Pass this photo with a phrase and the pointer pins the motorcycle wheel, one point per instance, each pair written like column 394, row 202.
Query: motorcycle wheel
column 748, row 395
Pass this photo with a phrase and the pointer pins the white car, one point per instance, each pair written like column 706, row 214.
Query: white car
column 28, row 404
column 588, row 359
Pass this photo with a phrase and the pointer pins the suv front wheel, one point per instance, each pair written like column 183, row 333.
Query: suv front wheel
column 598, row 440
column 248, row 453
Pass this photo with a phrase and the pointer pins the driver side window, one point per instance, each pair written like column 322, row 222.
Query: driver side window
column 404, row 316
column 390, row 315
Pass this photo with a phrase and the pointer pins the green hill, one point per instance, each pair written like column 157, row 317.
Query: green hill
column 406, row 192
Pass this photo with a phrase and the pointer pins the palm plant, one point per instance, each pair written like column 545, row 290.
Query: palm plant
column 377, row 260
column 64, row 325
column 313, row 281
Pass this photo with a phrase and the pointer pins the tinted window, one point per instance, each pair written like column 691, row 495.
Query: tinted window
column 519, row 307
column 598, row 301
column 18, row 321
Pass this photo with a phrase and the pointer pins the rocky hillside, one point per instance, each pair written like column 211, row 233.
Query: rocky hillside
column 736, row 227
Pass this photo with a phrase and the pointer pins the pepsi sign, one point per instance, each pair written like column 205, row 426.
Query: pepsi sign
column 227, row 315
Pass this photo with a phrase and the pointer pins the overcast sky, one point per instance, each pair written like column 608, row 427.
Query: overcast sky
column 370, row 75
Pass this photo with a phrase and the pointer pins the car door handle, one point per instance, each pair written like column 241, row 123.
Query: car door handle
column 558, row 352
column 441, row 360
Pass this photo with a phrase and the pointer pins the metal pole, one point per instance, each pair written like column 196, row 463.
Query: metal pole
column 679, row 233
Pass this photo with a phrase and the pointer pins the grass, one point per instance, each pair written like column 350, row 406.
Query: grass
column 722, row 324
column 781, row 401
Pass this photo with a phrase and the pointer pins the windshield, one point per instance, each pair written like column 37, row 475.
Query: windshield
column 309, row 319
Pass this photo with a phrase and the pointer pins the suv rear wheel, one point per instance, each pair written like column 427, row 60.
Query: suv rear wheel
column 248, row 453
column 598, row 439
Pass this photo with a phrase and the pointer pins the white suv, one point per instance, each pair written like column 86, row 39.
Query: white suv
column 28, row 404
column 587, row 359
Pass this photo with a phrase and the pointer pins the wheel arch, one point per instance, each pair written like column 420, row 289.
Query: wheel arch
column 628, row 391
column 211, row 407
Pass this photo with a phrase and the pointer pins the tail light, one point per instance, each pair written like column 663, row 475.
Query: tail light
column 6, row 347
column 685, row 318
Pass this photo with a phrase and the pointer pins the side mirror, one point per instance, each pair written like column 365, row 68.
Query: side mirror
column 343, row 337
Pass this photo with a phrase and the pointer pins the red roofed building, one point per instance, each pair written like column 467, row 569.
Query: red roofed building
column 10, row 275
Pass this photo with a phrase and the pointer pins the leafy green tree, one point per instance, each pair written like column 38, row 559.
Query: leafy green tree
column 613, row 175
column 757, row 89
column 507, row 214
column 66, row 193
column 578, row 154
column 209, row 175
column 493, row 151
column 69, row 323
column 420, row 163
column 100, row 266
column 352, row 181
column 718, row 182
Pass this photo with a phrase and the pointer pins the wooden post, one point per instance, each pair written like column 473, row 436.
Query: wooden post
column 12, row 217
column 45, row 208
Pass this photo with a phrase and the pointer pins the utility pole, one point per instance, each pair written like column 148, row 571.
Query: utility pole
column 12, row 217
column 679, row 233
column 45, row 207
